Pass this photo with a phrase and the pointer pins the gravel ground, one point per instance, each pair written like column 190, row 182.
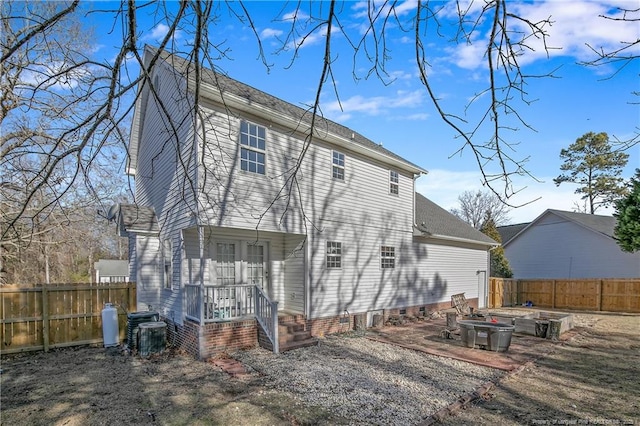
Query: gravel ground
column 375, row 383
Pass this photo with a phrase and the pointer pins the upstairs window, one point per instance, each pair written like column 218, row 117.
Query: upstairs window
column 334, row 254
column 338, row 165
column 253, row 147
column 387, row 257
column 393, row 182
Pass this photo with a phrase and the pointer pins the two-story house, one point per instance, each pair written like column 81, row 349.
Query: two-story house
column 242, row 216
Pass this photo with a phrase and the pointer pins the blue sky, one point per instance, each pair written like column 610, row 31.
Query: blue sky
column 398, row 113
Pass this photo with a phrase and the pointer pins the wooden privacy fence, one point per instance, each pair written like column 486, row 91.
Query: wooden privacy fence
column 606, row 294
column 58, row 315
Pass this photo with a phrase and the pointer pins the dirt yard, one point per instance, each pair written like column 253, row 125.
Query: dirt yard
column 592, row 379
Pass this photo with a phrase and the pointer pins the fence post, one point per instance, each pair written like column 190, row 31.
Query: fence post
column 599, row 296
column 45, row 318
column 131, row 288
column 553, row 294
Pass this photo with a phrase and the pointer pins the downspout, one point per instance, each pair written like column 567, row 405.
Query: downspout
column 307, row 281
column 413, row 200
column 484, row 285
column 202, row 350
column 201, row 343
column 486, row 275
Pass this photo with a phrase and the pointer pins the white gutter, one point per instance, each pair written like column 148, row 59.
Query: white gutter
column 458, row 239
column 143, row 232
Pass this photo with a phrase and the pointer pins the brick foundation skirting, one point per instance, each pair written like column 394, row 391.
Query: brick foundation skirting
column 213, row 338
column 343, row 323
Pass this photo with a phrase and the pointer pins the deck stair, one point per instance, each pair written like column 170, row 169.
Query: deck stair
column 293, row 333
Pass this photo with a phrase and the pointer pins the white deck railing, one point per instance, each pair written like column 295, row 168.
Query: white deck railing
column 226, row 303
column 267, row 316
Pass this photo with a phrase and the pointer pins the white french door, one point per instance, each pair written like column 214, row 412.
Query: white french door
column 226, row 266
column 240, row 262
column 257, row 272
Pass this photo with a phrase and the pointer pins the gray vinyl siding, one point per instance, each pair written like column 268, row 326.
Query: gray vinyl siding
column 293, row 297
column 425, row 273
column 133, row 258
column 193, row 266
column 286, row 272
column 556, row 248
column 166, row 176
column 239, row 199
column 446, row 270
column 149, row 273
column 359, row 210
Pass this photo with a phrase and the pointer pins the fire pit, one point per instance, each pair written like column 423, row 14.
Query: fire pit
column 486, row 335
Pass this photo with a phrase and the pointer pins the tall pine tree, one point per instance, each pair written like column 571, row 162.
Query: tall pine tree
column 499, row 265
column 627, row 230
column 596, row 168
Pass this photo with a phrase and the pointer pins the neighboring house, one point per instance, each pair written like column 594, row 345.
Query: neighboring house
column 560, row 244
column 507, row 232
column 222, row 228
column 111, row 271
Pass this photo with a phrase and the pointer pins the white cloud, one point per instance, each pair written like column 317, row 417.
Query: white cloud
column 316, row 37
column 375, row 105
column 297, row 14
column 270, row 33
column 575, row 26
column 470, row 56
column 58, row 76
column 421, row 116
column 443, row 187
column 365, row 9
column 406, row 7
column 160, row 31
column 401, row 75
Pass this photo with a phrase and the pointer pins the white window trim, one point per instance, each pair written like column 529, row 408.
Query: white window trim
column 391, row 256
column 167, row 264
column 333, row 255
column 251, row 148
column 338, row 166
column 238, row 264
column 394, row 184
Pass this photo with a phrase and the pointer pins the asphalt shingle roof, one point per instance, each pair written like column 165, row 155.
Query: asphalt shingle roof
column 136, row 218
column 598, row 223
column 507, row 232
column 228, row 85
column 433, row 219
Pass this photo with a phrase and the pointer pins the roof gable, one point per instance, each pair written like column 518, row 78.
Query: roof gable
column 222, row 88
column 436, row 222
column 603, row 225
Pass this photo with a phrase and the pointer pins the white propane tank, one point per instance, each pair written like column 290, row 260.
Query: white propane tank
column 110, row 332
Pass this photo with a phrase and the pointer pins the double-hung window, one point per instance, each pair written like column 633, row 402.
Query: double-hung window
column 338, row 165
column 252, row 147
column 394, row 182
column 334, row 254
column 387, row 257
column 168, row 263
